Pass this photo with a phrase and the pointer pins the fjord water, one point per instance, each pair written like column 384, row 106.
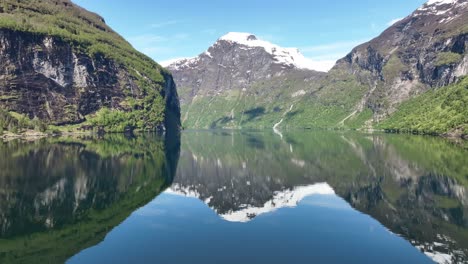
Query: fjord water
column 234, row 196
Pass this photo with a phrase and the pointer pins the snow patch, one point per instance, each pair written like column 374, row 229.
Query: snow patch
column 298, row 93
column 177, row 189
column 283, row 199
column 441, row 251
column 287, row 56
column 440, row 7
column 440, row 2
column 440, row 258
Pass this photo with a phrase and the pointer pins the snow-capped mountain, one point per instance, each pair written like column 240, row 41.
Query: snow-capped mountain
column 441, row 7
column 241, row 67
column 246, row 212
column 425, row 50
column 288, row 57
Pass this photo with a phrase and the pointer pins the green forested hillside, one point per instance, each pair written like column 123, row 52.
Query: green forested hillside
column 439, row 111
column 85, row 30
column 73, row 70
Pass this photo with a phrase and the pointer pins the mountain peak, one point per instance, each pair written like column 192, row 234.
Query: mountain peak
column 435, row 6
column 290, row 57
column 440, row 2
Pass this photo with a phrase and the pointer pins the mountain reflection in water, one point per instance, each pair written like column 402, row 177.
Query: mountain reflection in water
column 120, row 199
column 415, row 186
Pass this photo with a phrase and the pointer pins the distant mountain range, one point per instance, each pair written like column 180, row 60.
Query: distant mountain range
column 241, row 81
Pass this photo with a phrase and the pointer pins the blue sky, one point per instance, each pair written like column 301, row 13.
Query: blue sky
column 324, row 30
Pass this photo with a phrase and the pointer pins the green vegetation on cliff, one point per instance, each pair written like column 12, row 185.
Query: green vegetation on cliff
column 438, row 111
column 447, row 58
column 331, row 105
column 126, row 89
column 16, row 123
column 85, row 30
column 299, row 103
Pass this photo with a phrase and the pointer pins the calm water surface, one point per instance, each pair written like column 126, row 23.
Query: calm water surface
column 234, row 197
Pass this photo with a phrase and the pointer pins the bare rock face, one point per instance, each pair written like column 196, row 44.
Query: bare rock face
column 43, row 76
column 427, row 49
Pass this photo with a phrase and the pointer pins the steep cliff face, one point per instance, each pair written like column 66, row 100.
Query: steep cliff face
column 62, row 64
column 426, row 50
column 241, row 81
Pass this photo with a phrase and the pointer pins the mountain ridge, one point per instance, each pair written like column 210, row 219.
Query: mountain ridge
column 290, row 57
column 424, row 51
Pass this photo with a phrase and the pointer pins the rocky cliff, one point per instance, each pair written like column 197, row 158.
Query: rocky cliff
column 62, row 64
column 426, row 50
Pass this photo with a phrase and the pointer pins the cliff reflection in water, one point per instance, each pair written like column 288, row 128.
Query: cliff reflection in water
column 415, row 186
column 59, row 196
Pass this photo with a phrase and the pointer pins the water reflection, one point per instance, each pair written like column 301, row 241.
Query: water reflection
column 59, row 196
column 415, row 186
column 271, row 199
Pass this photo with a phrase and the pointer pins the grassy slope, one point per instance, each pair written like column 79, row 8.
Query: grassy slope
column 434, row 112
column 261, row 106
column 88, row 33
column 325, row 104
column 336, row 99
column 85, row 30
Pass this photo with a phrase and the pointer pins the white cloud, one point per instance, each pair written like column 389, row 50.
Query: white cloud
column 181, row 36
column 157, row 51
column 157, row 46
column 209, row 31
column 393, row 21
column 269, row 37
column 165, row 23
column 147, row 40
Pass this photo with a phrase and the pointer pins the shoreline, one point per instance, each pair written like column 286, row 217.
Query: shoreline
column 32, row 135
